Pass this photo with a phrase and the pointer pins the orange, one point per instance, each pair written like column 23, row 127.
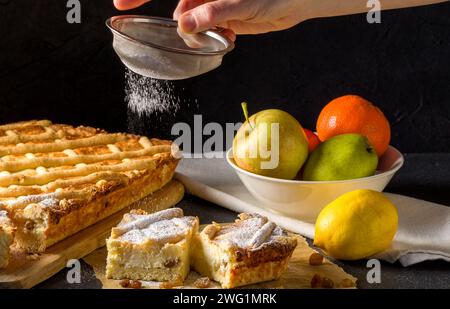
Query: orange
column 353, row 114
column 313, row 140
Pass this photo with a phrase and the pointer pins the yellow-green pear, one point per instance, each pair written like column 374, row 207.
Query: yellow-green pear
column 342, row 157
column 271, row 143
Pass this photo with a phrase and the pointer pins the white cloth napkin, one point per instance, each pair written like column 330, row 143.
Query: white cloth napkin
column 423, row 232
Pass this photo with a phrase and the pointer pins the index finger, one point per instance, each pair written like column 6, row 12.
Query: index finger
column 128, row 4
column 186, row 5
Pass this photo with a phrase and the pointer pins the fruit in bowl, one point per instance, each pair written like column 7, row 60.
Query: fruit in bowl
column 270, row 143
column 313, row 140
column 342, row 157
column 352, row 134
column 353, row 114
column 303, row 199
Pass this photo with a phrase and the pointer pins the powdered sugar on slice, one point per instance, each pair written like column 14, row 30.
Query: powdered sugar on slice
column 143, row 221
column 262, row 235
column 251, row 231
column 166, row 226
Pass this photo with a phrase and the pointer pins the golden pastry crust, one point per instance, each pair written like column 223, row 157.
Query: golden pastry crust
column 278, row 250
column 57, row 179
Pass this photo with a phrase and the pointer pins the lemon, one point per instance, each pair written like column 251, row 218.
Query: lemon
column 356, row 225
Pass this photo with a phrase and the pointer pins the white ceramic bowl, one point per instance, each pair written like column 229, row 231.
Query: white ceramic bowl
column 305, row 199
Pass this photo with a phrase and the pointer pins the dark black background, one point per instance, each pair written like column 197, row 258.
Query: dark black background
column 69, row 72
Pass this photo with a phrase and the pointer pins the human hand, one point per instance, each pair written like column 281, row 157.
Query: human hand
column 238, row 16
column 259, row 16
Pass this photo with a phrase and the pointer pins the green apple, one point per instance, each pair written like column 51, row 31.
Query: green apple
column 270, row 143
column 342, row 157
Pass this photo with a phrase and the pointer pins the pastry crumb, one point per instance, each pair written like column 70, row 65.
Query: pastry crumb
column 202, row 283
column 33, row 256
column 170, row 284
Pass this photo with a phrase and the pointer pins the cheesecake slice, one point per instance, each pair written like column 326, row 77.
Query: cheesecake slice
column 250, row 250
column 7, row 231
column 151, row 247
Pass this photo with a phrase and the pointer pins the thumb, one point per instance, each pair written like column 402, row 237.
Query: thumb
column 211, row 14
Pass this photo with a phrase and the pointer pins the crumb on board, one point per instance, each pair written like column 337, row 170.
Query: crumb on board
column 33, row 256
column 170, row 284
column 202, row 283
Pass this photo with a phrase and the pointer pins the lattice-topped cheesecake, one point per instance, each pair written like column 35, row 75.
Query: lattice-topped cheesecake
column 7, row 231
column 57, row 179
column 251, row 250
column 154, row 247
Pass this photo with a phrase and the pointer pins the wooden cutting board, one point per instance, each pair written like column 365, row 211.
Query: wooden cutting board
column 25, row 271
column 298, row 274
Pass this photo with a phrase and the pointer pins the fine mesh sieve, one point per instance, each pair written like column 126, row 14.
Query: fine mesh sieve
column 153, row 47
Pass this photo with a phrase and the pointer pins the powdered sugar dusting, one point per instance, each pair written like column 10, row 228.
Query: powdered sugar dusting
column 251, row 231
column 50, row 202
column 4, row 217
column 45, row 199
column 146, row 95
column 137, row 222
column 166, row 226
column 165, row 231
column 262, row 234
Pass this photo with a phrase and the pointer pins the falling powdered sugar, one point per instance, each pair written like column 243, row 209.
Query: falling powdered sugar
column 146, row 96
